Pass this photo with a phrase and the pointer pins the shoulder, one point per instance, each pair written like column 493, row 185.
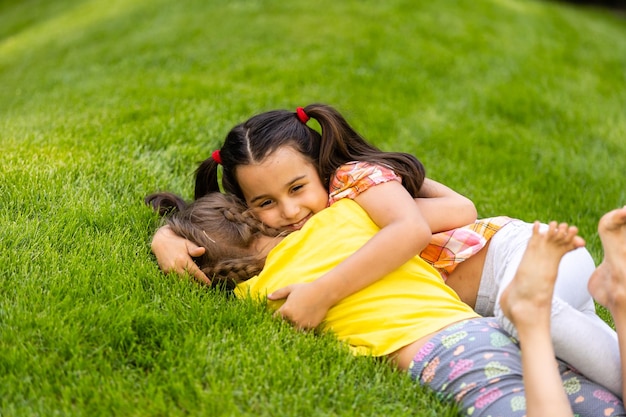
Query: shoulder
column 358, row 169
column 353, row 178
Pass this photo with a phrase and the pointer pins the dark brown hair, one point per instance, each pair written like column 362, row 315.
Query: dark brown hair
column 252, row 141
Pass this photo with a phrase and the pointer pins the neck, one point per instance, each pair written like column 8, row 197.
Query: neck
column 264, row 244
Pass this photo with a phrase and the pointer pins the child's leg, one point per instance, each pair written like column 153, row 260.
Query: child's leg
column 608, row 283
column 504, row 256
column 476, row 364
column 587, row 343
column 575, row 269
column 573, row 311
column 596, row 352
column 527, row 302
column 532, row 287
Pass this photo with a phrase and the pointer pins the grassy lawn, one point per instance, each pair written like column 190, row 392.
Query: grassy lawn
column 518, row 104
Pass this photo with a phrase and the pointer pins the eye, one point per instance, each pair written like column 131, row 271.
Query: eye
column 265, row 203
column 296, row 188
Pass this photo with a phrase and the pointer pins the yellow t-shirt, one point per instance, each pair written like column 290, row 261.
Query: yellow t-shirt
column 404, row 306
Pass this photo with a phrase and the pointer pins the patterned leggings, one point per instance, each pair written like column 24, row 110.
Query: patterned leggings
column 477, row 364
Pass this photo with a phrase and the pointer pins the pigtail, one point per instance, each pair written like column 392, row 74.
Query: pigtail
column 206, row 178
column 340, row 144
column 165, row 203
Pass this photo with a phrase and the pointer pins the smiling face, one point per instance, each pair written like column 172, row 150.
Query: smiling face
column 284, row 190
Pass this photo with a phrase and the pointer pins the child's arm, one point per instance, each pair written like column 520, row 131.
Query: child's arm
column 404, row 232
column 444, row 208
column 174, row 254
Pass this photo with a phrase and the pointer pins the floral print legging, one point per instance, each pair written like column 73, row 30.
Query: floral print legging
column 477, row 364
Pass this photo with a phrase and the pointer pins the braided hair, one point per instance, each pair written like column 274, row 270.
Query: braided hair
column 222, row 225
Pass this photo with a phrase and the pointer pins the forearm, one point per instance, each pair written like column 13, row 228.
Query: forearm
column 444, row 208
column 374, row 260
column 403, row 233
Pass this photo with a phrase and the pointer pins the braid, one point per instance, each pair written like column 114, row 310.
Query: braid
column 246, row 218
column 231, row 272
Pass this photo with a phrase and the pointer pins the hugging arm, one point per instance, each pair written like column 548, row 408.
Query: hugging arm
column 405, row 229
column 403, row 233
column 443, row 208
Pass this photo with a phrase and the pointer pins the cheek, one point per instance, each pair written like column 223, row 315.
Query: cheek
column 322, row 202
column 320, row 207
column 268, row 218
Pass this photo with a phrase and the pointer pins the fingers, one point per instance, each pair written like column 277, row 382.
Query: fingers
column 280, row 294
column 284, row 312
column 184, row 265
column 283, row 315
column 198, row 275
column 190, row 266
column 174, row 254
column 195, row 251
column 303, row 307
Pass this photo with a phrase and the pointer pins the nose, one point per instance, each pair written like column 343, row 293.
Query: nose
column 290, row 209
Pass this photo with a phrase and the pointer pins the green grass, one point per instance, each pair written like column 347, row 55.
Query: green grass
column 517, row 104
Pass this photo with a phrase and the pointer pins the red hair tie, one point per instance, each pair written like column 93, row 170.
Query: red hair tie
column 217, row 157
column 302, row 115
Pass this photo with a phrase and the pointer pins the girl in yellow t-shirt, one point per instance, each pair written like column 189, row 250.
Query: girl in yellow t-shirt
column 409, row 315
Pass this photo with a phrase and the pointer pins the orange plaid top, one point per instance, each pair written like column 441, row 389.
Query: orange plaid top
column 352, row 178
column 447, row 249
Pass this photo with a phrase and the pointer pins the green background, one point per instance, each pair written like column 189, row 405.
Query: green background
column 519, row 105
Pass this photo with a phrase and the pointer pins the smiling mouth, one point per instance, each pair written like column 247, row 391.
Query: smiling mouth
column 298, row 226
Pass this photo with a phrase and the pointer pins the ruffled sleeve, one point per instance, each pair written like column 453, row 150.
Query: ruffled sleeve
column 353, row 178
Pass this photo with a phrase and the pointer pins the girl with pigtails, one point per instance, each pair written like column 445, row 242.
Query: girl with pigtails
column 286, row 171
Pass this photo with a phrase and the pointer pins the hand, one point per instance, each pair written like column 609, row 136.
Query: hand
column 305, row 306
column 174, row 254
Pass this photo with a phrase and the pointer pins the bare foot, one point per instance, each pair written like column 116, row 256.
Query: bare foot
column 608, row 282
column 528, row 297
